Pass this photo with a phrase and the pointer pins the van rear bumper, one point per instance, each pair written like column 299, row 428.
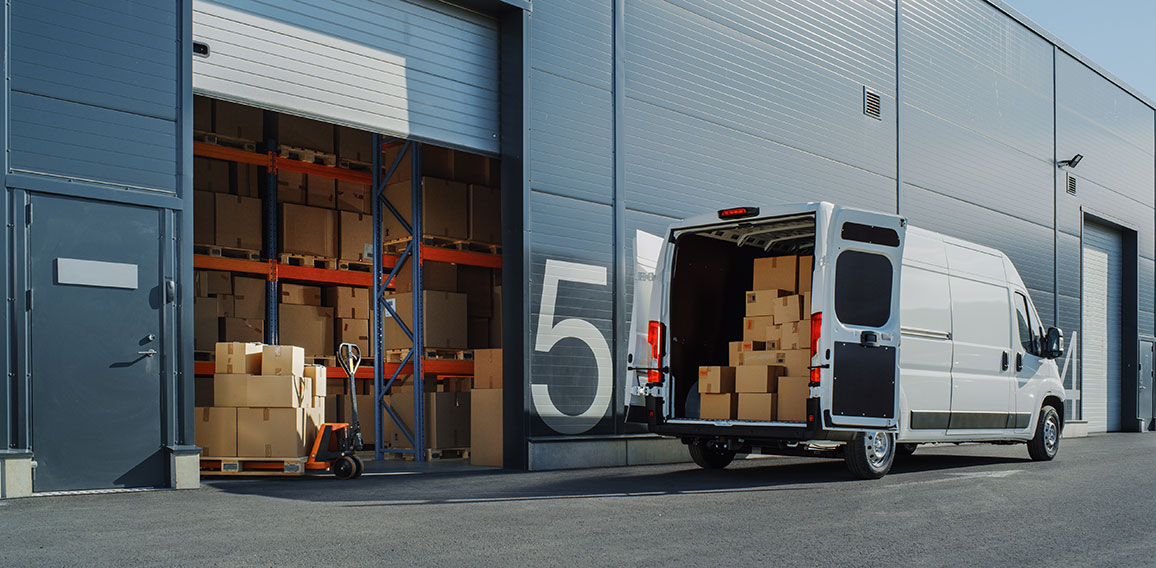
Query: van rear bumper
column 745, row 430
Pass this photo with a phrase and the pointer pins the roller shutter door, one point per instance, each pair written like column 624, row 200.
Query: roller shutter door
column 1103, row 267
column 418, row 68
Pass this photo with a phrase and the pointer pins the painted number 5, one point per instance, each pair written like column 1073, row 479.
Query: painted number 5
column 550, row 333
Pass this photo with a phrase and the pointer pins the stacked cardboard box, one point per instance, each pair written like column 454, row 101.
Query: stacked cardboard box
column 265, row 403
column 769, row 370
column 227, row 307
column 486, row 409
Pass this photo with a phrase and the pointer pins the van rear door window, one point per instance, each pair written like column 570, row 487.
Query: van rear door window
column 870, row 234
column 863, row 288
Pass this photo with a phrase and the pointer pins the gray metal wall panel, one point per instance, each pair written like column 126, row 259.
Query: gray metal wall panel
column 414, row 68
column 1114, row 205
column 573, row 40
column 1147, row 300
column 116, row 55
column 571, row 142
column 1068, row 266
column 70, row 139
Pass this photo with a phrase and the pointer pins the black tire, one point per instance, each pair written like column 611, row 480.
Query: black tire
column 709, row 457
column 343, row 468
column 871, row 463
column 1046, row 443
column 904, row 450
column 360, row 467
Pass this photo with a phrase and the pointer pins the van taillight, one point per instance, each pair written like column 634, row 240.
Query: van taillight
column 816, row 329
column 656, row 336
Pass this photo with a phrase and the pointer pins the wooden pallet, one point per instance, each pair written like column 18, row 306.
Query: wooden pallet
column 397, row 246
column 355, row 266
column 355, row 165
column 253, row 466
column 204, row 355
column 308, row 260
column 307, row 155
column 447, row 454
column 327, row 360
column 227, row 252
column 224, row 141
column 397, row 355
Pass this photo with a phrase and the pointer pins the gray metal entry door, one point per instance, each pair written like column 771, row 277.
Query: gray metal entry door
column 1103, row 269
column 1146, row 395
column 96, row 314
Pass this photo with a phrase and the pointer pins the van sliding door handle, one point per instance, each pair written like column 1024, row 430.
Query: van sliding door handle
column 1019, row 362
column 1004, row 361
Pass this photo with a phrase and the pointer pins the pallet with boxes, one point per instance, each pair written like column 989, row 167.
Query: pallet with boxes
column 767, row 375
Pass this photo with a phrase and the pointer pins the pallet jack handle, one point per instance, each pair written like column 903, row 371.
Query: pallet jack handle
column 349, row 355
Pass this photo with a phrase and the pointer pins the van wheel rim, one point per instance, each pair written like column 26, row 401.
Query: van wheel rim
column 1051, row 433
column 878, row 447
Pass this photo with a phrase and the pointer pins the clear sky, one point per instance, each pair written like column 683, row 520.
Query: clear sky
column 1118, row 35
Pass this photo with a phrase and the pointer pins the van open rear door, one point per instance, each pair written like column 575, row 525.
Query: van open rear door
column 858, row 295
column 647, row 306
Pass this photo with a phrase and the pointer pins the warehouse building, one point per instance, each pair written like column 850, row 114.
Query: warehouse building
column 597, row 123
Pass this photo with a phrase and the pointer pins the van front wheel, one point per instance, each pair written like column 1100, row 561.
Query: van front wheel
column 869, row 454
column 1046, row 442
column 710, row 456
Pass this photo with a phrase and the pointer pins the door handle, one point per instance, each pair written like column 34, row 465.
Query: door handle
column 1003, row 361
column 1019, row 362
column 869, row 339
column 147, row 353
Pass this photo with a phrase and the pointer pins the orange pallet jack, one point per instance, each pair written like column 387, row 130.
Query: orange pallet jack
column 336, row 443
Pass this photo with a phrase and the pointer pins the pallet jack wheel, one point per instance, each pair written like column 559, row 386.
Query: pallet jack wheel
column 344, row 468
column 360, row 467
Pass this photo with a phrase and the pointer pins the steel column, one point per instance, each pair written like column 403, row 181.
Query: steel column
column 269, row 249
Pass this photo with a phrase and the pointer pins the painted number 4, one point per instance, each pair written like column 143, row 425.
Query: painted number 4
column 550, row 333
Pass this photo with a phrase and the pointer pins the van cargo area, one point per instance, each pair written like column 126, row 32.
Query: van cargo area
column 739, row 321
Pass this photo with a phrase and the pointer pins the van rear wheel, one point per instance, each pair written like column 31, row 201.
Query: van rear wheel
column 869, row 455
column 709, row 456
column 1046, row 442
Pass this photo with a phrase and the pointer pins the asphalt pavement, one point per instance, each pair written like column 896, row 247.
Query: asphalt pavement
column 943, row 506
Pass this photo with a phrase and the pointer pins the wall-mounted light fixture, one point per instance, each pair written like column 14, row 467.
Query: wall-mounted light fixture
column 1073, row 162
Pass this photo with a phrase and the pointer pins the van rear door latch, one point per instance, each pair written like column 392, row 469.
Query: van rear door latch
column 869, row 339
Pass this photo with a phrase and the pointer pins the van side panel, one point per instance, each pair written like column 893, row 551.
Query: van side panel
column 981, row 395
column 926, row 353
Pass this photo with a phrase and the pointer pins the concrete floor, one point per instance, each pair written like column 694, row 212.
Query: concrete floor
column 948, row 505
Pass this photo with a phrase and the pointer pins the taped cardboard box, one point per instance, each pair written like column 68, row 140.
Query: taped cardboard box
column 355, row 197
column 210, row 175
column 447, row 423
column 301, row 295
column 278, row 391
column 774, row 337
column 795, row 307
column 309, row 327
column 248, row 298
column 204, row 227
column 486, row 427
column 755, row 328
column 231, row 389
column 487, row 368
column 321, row 192
column 441, row 276
column 757, row 378
column 238, row 221
column 348, row 302
column 249, row 180
column 213, row 282
column 272, row 432
column 806, row 273
column 443, row 211
column 239, row 357
column 206, row 326
column 485, row 214
column 216, row 431
column 797, row 361
column 735, row 353
column 291, row 187
column 718, row 406
column 795, row 335
column 444, row 324
column 319, row 375
column 309, row 230
column 775, row 273
column 356, row 237
column 282, row 360
column 242, row 330
column 759, row 407
column 762, row 302
column 305, row 133
column 792, row 401
column 715, row 380
column 225, row 306
column 760, row 358
column 355, row 331
column 238, row 121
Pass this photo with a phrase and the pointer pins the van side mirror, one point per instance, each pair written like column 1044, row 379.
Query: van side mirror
column 1053, row 343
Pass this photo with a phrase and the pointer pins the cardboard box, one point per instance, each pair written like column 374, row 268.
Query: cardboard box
column 216, row 431
column 356, row 237
column 760, row 358
column 369, row 427
column 755, row 328
column 238, row 121
column 486, row 427
column 282, row 360
column 748, row 346
column 249, row 180
column 476, row 283
column 202, row 113
column 455, row 384
column 308, row 327
column 475, row 169
column 716, row 379
column 238, row 357
column 789, row 309
column 353, row 144
column 775, row 273
column 335, row 409
column 757, row 378
column 435, row 162
column 213, row 282
column 301, row 295
column 206, row 330
column 443, row 211
column 487, row 368
column 355, row 197
column 355, row 331
column 735, row 353
column 348, row 302
column 291, row 187
column 225, row 306
column 248, row 298
column 319, row 374
column 242, row 330
column 774, row 337
column 759, row 407
column 272, row 432
column 336, row 385
column 762, row 302
column 797, row 361
column 231, row 389
column 305, row 133
column 204, row 228
column 308, row 230
column 792, row 403
column 444, row 323
column 203, row 390
column 718, row 406
column 435, row 275
column 795, row 335
column 485, row 214
column 210, row 175
column 806, row 273
column 238, row 221
column 320, row 192
column 478, row 333
column 279, row 391
column 447, row 423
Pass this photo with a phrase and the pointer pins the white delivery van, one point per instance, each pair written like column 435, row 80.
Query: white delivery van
column 915, row 337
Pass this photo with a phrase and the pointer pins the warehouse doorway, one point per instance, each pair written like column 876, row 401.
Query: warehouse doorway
column 1102, row 340
column 97, row 297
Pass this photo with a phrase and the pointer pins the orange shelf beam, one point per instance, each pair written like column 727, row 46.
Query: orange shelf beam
column 231, row 264
column 231, row 154
column 461, row 257
column 323, row 171
column 323, row 275
column 432, row 367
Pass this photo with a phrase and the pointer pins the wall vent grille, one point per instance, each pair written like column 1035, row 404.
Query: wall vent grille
column 1071, row 184
column 871, row 104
